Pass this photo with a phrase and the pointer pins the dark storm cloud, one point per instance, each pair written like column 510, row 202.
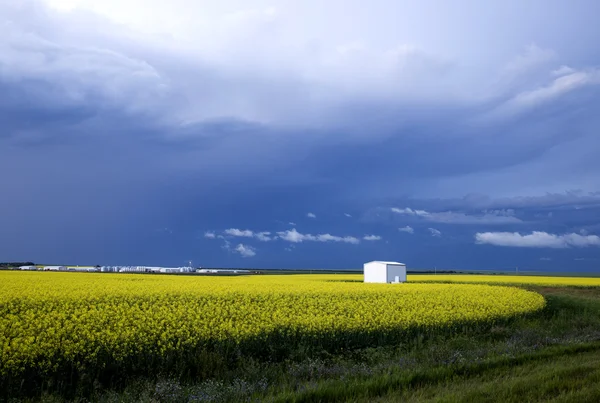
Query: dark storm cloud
column 108, row 133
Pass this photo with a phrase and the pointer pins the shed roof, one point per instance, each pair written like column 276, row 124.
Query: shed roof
column 386, row 262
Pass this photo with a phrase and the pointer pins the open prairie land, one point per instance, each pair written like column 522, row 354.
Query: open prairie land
column 119, row 337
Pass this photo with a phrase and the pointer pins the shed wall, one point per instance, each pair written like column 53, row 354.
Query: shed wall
column 375, row 272
column 394, row 270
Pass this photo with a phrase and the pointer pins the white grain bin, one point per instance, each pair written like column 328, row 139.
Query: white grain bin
column 384, row 272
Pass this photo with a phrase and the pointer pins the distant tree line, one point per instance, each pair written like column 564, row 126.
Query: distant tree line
column 16, row 264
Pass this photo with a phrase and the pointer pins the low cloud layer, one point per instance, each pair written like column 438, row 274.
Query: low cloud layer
column 537, row 239
column 296, row 237
column 261, row 236
column 291, row 235
column 449, row 217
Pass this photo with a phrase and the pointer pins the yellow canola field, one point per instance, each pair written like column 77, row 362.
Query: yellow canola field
column 502, row 279
column 91, row 319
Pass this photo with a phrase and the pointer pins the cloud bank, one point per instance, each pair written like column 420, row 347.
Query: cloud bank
column 289, row 235
column 449, row 217
column 261, row 236
column 126, row 115
column 537, row 239
column 296, row 237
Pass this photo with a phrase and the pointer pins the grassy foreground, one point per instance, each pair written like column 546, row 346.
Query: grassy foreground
column 550, row 356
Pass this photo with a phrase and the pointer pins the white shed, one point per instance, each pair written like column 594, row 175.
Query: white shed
column 384, row 272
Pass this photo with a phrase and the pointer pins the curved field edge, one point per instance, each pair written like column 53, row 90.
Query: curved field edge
column 550, row 357
column 203, row 357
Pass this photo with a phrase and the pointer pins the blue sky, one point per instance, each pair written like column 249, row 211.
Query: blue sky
column 294, row 134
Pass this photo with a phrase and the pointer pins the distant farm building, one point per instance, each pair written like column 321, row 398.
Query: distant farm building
column 83, row 268
column 54, row 268
column 28, row 267
column 170, row 270
column 176, row 270
column 108, row 269
column 222, row 271
column 384, row 272
column 133, row 269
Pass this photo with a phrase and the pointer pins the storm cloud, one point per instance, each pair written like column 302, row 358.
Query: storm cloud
column 121, row 118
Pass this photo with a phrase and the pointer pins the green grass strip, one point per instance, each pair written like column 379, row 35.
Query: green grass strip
column 337, row 390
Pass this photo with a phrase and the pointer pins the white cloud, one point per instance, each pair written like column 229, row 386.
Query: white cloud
column 245, row 250
column 546, row 259
column 372, row 238
column 450, row 217
column 409, row 211
column 292, row 223
column 563, row 70
column 238, row 232
column 291, row 236
column 294, row 236
column 435, row 232
column 210, row 235
column 335, row 238
column 407, row 229
column 261, row 236
column 557, row 88
column 311, row 215
column 537, row 239
column 347, row 215
column 561, row 85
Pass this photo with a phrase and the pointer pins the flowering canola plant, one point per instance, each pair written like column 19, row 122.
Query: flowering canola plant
column 503, row 279
column 92, row 320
